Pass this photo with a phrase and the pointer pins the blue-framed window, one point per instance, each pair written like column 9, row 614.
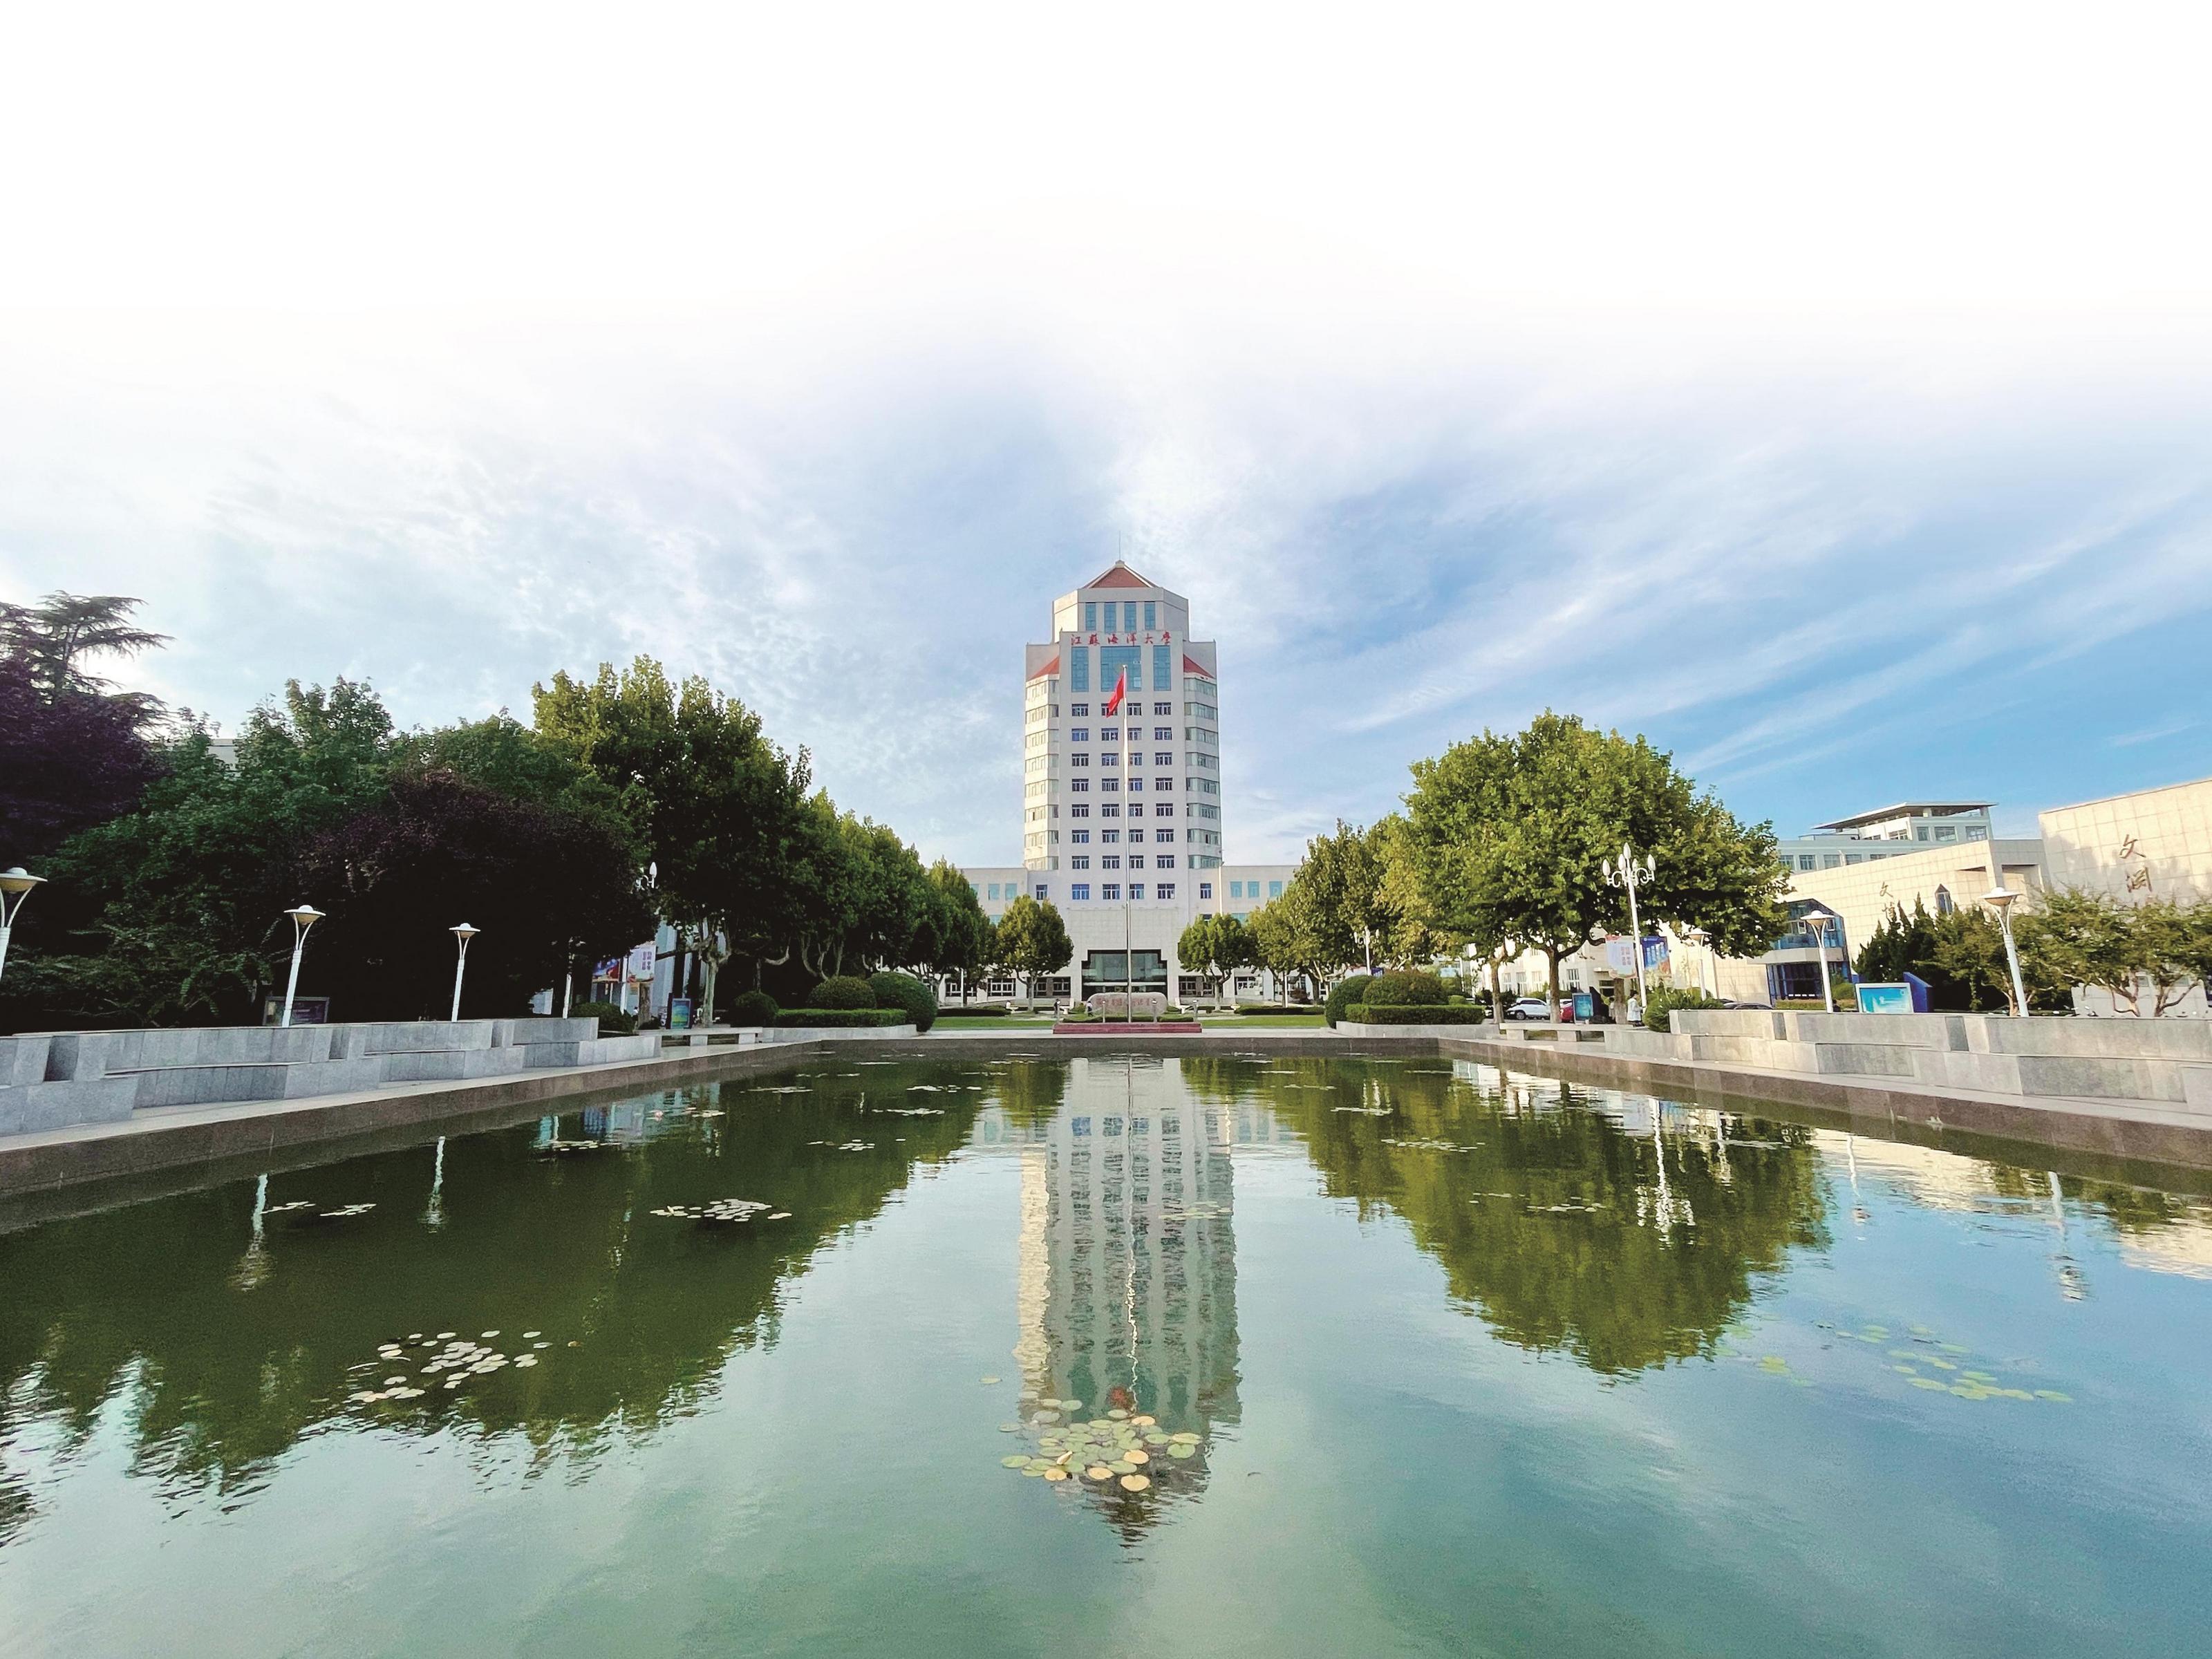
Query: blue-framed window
column 1090, row 618
column 1078, row 668
column 1152, row 615
column 1163, row 667
column 1275, row 890
column 1237, row 890
column 1081, row 889
column 1112, row 658
column 994, row 893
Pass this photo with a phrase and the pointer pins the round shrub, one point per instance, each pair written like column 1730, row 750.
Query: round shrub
column 753, row 1008
column 842, row 991
column 612, row 1021
column 1346, row 993
column 904, row 991
column 1405, row 989
column 1666, row 1002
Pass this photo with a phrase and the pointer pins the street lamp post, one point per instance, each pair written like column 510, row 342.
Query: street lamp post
column 304, row 916
column 463, row 933
column 16, row 886
column 1998, row 899
column 1821, row 919
column 1626, row 871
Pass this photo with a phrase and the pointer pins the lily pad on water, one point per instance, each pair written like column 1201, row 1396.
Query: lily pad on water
column 1134, row 1483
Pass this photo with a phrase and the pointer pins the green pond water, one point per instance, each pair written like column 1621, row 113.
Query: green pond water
column 1372, row 1356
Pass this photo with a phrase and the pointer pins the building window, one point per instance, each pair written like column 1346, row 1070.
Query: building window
column 1080, row 835
column 1110, row 810
column 1165, row 836
column 1128, row 616
column 1135, row 784
column 1110, row 786
column 1275, row 890
column 1136, row 860
column 1855, row 857
column 1137, row 757
column 1163, row 734
column 1830, row 860
column 1165, row 861
column 1090, row 617
column 1080, row 785
column 1080, row 734
column 1109, row 861
column 1163, row 707
column 1165, row 889
column 1920, row 832
column 1163, row 785
column 1081, row 711
column 1080, row 891
column 1040, row 891
column 1976, row 833
column 1112, row 889
column 1079, row 671
column 994, row 893
column 1080, row 861
column 1165, row 809
column 1807, row 862
column 1136, row 889
column 1080, row 809
column 1109, row 758
column 1152, row 615
column 1944, row 906
column 1111, row 838
column 1205, row 890
column 1236, row 890
column 1162, row 668
column 1947, row 832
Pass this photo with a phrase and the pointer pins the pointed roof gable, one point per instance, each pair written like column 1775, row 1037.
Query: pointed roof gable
column 1192, row 666
column 1052, row 666
column 1120, row 576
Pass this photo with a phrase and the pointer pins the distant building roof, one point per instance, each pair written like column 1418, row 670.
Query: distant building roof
column 1941, row 809
column 1192, row 666
column 1120, row 576
column 1050, row 666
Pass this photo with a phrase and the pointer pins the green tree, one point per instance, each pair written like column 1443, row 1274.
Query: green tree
column 1031, row 941
column 958, row 934
column 1346, row 908
column 56, row 635
column 1217, row 945
column 1515, row 835
column 719, row 811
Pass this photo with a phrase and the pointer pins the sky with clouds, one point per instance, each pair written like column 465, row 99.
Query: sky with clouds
column 1828, row 398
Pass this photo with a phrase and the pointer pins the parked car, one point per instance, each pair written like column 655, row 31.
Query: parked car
column 1528, row 1008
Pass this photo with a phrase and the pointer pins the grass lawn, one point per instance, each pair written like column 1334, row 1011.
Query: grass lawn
column 1233, row 1022
column 951, row 1022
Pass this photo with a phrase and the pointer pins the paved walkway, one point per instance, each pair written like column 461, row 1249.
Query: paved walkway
column 165, row 1137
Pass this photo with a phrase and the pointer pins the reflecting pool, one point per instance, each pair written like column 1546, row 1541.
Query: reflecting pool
column 1231, row 1355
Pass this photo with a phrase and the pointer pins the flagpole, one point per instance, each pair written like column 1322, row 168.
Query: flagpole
column 1128, row 963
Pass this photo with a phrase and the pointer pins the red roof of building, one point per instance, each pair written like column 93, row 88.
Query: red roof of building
column 1050, row 667
column 1121, row 576
column 1192, row 666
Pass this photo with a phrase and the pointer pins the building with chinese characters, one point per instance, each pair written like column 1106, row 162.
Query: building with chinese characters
column 1123, row 806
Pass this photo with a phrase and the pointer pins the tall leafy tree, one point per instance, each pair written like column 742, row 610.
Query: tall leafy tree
column 1218, row 946
column 1031, row 941
column 959, row 932
column 1516, row 834
column 57, row 636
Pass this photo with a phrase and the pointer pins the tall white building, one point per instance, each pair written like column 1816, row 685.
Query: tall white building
column 1123, row 813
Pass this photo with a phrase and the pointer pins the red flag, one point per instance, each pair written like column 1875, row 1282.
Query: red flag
column 1120, row 688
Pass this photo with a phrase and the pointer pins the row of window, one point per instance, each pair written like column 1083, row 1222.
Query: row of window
column 1082, row 837
column 1113, row 785
column 1113, row 861
column 1129, row 609
column 1082, row 711
column 1080, row 891
column 1113, row 734
column 1237, row 890
column 1117, row 662
column 1082, row 757
column 1165, row 809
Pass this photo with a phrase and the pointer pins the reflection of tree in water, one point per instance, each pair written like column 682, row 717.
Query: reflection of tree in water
column 226, row 1369
column 1128, row 1269
column 1563, row 1229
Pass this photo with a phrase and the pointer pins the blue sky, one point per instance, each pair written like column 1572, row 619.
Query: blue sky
column 1455, row 367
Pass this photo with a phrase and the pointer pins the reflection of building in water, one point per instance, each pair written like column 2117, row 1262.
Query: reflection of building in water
column 1127, row 1275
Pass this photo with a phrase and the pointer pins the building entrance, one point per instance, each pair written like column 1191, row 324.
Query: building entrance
column 1103, row 971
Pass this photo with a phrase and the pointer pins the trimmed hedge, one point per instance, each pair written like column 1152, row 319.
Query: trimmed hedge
column 905, row 991
column 1344, row 995
column 1400, row 1013
column 752, row 1008
column 980, row 1011
column 1665, row 1002
column 842, row 1016
column 842, row 991
column 1405, row 989
column 612, row 1021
